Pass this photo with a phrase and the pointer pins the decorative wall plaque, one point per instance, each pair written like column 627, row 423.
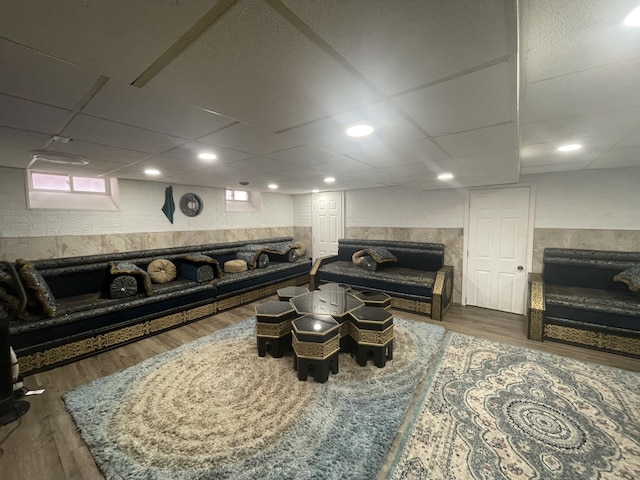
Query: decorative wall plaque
column 191, row 204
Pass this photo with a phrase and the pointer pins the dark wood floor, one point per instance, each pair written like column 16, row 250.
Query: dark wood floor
column 44, row 443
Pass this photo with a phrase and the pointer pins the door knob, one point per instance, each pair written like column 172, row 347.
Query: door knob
column 520, row 268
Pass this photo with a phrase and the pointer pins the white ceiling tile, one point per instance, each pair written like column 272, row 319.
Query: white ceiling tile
column 118, row 38
column 553, row 168
column 142, row 108
column 385, row 40
column 482, row 140
column 26, row 115
column 614, row 87
column 579, row 126
column 479, row 99
column 305, row 156
column 576, row 35
column 15, row 146
column 261, row 165
column 189, row 153
column 104, row 132
column 262, row 72
column 93, row 151
column 30, row 75
column 249, row 139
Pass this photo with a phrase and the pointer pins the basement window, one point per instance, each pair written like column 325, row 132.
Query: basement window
column 243, row 201
column 61, row 191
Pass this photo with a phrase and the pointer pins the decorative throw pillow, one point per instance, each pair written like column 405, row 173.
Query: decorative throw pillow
column 630, row 276
column 37, row 287
column 381, row 254
column 369, row 263
column 235, row 266
column 263, row 260
column 123, row 286
column 130, row 268
column 300, row 249
column 162, row 271
column 358, row 258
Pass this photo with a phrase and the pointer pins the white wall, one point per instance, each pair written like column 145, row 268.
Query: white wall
column 140, row 211
column 588, row 199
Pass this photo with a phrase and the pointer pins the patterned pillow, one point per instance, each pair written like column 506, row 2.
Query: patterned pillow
column 630, row 276
column 123, row 286
column 37, row 287
column 130, row 268
column 162, row 271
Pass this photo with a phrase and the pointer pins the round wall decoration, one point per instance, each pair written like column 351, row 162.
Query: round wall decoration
column 191, row 204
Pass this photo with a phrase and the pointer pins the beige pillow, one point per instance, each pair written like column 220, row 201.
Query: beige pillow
column 235, row 266
column 162, row 271
column 300, row 249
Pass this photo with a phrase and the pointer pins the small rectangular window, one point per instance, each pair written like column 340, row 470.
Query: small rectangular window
column 88, row 184
column 50, row 181
column 237, row 196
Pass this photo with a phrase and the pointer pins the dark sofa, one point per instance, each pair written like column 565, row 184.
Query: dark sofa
column 587, row 298
column 78, row 307
column 415, row 277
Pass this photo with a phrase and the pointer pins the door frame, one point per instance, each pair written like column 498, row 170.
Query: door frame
column 465, row 241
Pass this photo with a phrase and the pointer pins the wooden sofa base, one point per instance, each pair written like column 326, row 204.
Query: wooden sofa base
column 72, row 351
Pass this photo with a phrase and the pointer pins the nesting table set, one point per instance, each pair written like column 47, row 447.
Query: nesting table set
column 320, row 324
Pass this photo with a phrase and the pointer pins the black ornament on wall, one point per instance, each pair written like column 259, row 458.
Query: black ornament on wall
column 169, row 206
column 191, row 204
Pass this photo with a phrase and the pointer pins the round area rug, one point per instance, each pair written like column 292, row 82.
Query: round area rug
column 215, row 409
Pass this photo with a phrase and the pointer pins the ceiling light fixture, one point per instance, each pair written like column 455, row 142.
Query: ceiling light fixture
column 359, row 130
column 329, row 180
column 58, row 157
column 315, row 190
column 207, row 156
column 273, row 186
column 152, row 171
column 569, row 148
column 445, row 176
column 633, row 19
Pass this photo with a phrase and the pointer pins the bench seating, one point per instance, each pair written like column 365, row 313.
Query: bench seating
column 579, row 299
column 77, row 316
column 417, row 280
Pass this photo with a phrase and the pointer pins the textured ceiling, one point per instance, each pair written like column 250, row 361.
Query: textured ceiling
column 271, row 85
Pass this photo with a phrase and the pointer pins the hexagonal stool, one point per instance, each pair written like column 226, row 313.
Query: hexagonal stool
column 332, row 287
column 273, row 328
column 316, row 343
column 287, row 293
column 372, row 331
column 373, row 298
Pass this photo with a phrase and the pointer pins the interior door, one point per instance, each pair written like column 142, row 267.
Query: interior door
column 327, row 222
column 497, row 249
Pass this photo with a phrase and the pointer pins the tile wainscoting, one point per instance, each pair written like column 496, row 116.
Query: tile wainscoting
column 37, row 248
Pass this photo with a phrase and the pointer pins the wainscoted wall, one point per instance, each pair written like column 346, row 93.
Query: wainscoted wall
column 451, row 238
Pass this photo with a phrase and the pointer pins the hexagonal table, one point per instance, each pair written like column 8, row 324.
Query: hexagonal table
column 287, row 293
column 332, row 287
column 336, row 303
column 372, row 330
column 273, row 328
column 373, row 298
column 316, row 343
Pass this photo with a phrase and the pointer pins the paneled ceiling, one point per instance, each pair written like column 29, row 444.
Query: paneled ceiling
column 484, row 89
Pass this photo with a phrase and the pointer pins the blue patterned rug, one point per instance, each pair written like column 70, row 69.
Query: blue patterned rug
column 494, row 411
column 213, row 409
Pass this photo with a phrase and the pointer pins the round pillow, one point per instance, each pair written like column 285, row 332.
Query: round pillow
column 300, row 249
column 123, row 286
column 263, row 260
column 235, row 266
column 162, row 271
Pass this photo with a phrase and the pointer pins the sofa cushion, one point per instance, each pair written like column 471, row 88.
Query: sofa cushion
column 631, row 277
column 162, row 270
column 235, row 266
column 123, row 286
column 37, row 288
column 130, row 268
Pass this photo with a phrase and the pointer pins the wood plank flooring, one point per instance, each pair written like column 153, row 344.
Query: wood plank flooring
column 44, row 443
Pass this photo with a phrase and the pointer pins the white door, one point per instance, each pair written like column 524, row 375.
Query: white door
column 327, row 222
column 497, row 249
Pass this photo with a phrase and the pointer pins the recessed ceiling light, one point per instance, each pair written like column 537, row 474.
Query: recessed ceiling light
column 359, row 130
column 273, row 186
column 315, row 190
column 207, row 156
column 445, row 176
column 569, row 148
column 633, row 19
column 152, row 171
column 329, row 180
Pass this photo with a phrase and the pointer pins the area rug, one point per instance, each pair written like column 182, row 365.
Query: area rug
column 213, row 409
column 493, row 411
